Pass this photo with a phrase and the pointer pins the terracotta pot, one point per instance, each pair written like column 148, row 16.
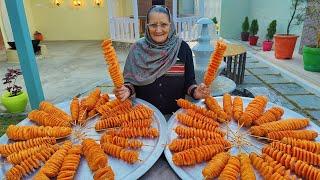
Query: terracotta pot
column 267, row 45
column 244, row 36
column 253, row 40
column 38, row 37
column 284, row 45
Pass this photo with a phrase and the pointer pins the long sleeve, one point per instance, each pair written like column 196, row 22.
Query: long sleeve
column 190, row 82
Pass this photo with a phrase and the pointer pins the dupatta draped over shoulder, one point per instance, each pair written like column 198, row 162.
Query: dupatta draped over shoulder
column 148, row 60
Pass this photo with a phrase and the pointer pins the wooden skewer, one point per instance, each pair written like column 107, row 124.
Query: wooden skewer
column 91, row 117
column 246, row 151
column 95, row 135
column 60, row 143
column 82, row 123
column 148, row 145
column 229, row 147
column 231, row 130
column 62, row 137
column 251, row 144
column 256, row 141
column 260, row 137
column 73, row 123
column 98, row 130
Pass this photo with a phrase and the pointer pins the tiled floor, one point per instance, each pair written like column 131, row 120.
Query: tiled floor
column 74, row 67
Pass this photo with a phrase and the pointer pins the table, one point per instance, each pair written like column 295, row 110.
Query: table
column 235, row 57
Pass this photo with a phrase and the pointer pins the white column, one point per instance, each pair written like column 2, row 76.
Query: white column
column 110, row 15
column 5, row 24
column 174, row 10
column 201, row 8
column 136, row 19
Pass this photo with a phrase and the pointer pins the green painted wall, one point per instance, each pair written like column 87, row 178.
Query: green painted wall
column 266, row 11
column 232, row 14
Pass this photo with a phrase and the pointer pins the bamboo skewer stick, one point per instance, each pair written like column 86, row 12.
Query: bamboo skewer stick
column 260, row 137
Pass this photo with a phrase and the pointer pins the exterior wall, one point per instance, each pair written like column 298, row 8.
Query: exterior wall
column 5, row 24
column 30, row 19
column 1, row 41
column 66, row 22
column 233, row 13
column 266, row 11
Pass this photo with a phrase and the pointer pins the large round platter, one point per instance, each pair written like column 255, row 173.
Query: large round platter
column 195, row 172
column 148, row 154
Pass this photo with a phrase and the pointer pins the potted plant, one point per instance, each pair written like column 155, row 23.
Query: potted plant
column 216, row 24
column 267, row 44
column 254, row 28
column 285, row 43
column 14, row 99
column 311, row 52
column 245, row 29
column 38, row 36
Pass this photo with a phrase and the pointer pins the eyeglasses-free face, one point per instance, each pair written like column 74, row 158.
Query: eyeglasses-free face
column 159, row 27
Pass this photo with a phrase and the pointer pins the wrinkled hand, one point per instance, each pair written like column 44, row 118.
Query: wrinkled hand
column 122, row 93
column 201, row 92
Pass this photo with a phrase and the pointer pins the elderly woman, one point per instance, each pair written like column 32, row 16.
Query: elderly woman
column 159, row 67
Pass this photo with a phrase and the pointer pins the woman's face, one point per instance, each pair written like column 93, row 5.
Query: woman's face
column 159, row 27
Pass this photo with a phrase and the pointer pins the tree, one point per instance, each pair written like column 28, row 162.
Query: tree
column 254, row 28
column 245, row 25
column 298, row 9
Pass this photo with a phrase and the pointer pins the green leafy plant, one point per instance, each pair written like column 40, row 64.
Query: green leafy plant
column 271, row 30
column 214, row 20
column 254, row 28
column 245, row 25
column 297, row 13
column 10, row 81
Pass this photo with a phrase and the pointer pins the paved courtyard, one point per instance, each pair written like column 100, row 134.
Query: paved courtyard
column 76, row 67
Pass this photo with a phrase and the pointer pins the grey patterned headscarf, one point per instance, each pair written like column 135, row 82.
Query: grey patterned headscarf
column 148, row 60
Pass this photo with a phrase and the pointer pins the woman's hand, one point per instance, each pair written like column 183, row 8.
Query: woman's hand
column 201, row 92
column 122, row 93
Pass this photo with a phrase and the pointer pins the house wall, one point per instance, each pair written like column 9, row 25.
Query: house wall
column 266, row 11
column 1, row 41
column 67, row 22
column 232, row 13
column 5, row 24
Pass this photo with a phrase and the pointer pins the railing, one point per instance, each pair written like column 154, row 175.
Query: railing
column 186, row 28
column 122, row 29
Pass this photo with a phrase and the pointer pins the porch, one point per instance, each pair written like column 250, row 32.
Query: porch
column 131, row 27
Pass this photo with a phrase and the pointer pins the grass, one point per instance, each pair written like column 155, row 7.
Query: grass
column 6, row 120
